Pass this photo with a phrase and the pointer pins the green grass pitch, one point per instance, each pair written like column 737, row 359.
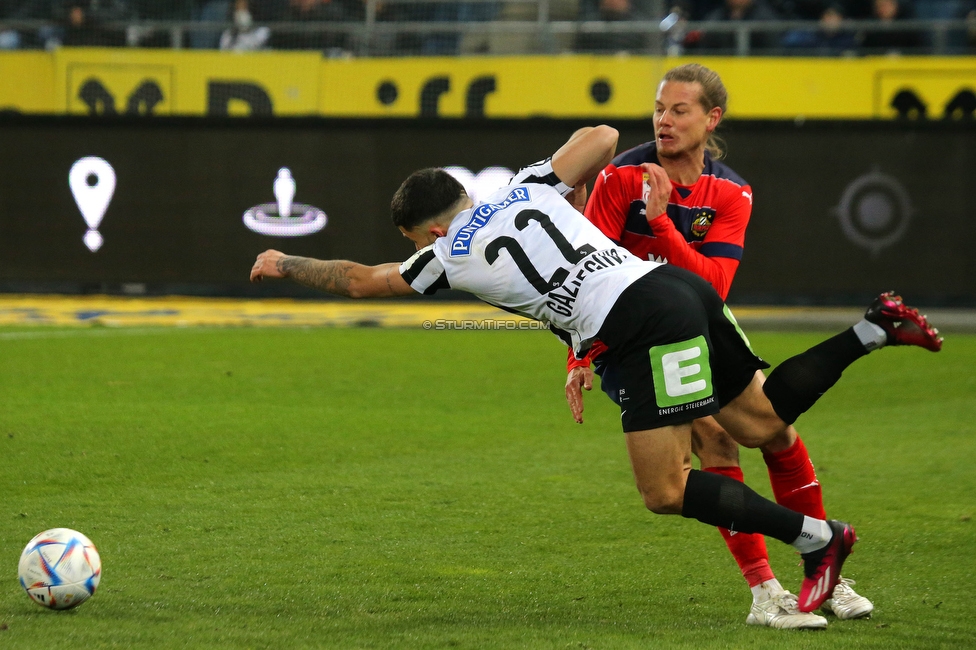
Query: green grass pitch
column 269, row 488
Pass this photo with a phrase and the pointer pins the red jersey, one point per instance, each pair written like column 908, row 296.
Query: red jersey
column 703, row 230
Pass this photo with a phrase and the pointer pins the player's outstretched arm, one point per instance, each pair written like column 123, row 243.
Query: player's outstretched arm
column 587, row 152
column 339, row 277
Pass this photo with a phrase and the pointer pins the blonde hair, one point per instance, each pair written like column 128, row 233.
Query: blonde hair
column 713, row 93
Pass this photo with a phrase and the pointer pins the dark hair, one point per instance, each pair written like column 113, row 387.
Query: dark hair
column 713, row 94
column 424, row 195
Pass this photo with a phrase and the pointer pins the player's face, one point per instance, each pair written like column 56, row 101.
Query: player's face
column 681, row 125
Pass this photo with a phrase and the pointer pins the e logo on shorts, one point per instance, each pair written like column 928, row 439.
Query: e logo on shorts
column 681, row 372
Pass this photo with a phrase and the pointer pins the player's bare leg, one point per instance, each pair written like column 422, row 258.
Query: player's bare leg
column 772, row 605
column 661, row 460
column 712, row 445
column 751, row 419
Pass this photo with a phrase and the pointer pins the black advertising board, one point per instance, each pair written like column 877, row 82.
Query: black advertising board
column 842, row 210
column 845, row 210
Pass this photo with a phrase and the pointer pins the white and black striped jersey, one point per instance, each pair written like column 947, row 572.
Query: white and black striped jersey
column 527, row 250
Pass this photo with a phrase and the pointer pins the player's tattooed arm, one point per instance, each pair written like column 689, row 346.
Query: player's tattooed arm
column 331, row 276
column 339, row 277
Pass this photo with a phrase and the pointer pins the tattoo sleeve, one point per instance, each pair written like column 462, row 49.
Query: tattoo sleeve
column 332, row 276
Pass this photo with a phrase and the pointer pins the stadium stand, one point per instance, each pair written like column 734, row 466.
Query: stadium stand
column 342, row 28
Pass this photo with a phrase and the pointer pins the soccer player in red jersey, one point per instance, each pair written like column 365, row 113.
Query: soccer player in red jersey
column 700, row 225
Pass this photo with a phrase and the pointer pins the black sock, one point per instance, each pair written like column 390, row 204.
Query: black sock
column 797, row 383
column 721, row 501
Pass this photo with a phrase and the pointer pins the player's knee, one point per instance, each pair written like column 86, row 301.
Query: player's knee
column 767, row 429
column 727, row 449
column 713, row 445
column 760, row 434
column 753, row 424
column 783, row 440
column 663, row 500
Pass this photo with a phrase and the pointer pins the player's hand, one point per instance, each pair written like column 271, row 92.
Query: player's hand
column 658, row 190
column 267, row 266
column 578, row 379
column 577, row 198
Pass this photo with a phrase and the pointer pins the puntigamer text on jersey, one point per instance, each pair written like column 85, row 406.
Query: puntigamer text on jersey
column 461, row 245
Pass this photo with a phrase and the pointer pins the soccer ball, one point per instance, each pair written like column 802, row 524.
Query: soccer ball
column 60, row 568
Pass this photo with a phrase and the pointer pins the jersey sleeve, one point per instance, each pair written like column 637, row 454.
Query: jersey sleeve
column 424, row 272
column 541, row 173
column 720, row 253
column 727, row 236
column 598, row 348
column 609, row 203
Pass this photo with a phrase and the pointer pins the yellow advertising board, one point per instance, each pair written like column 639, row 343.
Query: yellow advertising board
column 185, row 82
column 174, row 82
column 935, row 92
column 27, row 82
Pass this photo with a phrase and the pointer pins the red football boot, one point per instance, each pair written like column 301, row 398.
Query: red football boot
column 902, row 324
column 822, row 568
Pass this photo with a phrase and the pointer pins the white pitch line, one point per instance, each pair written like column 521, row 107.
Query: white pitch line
column 91, row 331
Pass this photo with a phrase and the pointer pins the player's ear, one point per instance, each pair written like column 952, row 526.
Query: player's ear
column 714, row 117
column 439, row 225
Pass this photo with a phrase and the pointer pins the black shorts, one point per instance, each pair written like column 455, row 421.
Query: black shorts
column 675, row 352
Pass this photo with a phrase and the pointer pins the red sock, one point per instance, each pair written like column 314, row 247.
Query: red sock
column 748, row 549
column 794, row 480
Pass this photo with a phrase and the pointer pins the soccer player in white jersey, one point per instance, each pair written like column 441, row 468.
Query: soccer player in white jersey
column 675, row 349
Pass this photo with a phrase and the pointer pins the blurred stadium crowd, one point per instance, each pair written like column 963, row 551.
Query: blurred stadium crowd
column 448, row 27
